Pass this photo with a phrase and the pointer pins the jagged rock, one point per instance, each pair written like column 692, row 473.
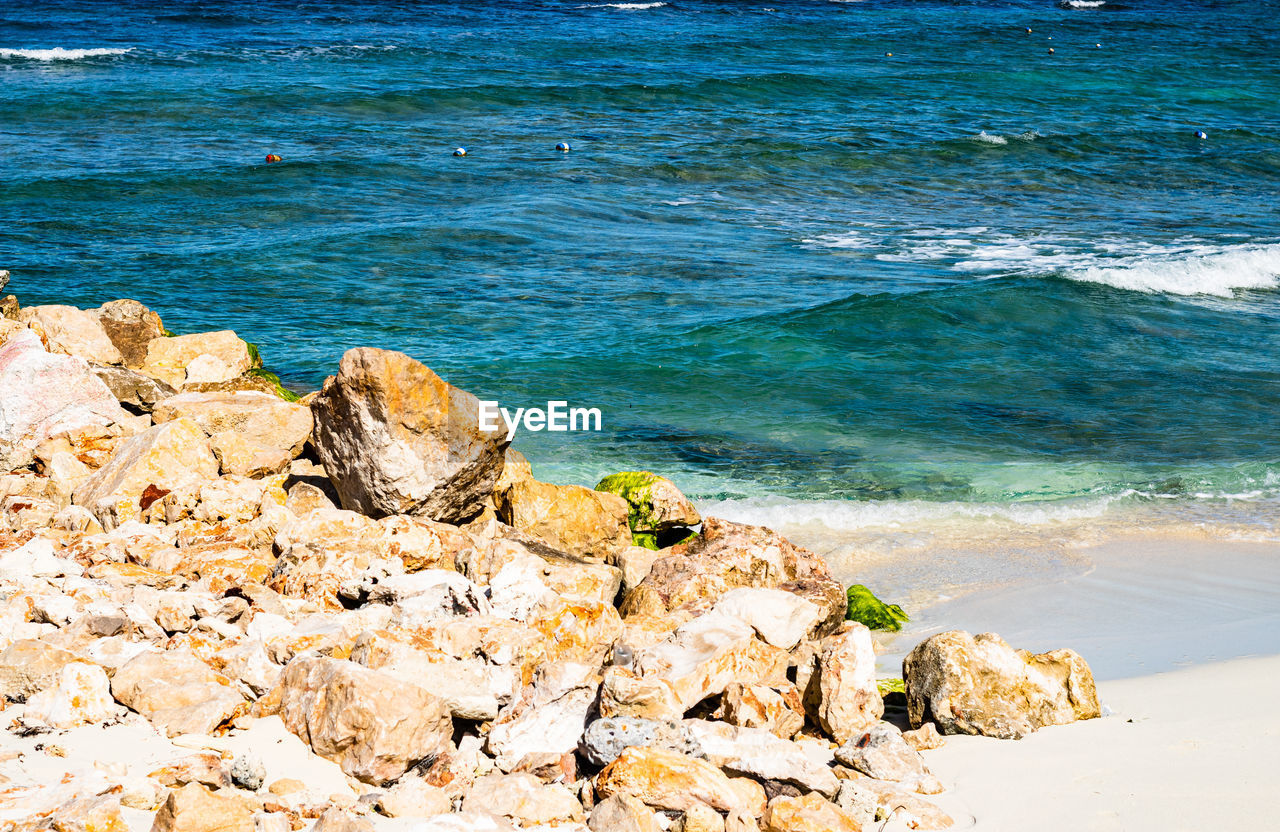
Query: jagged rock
column 756, row 753
column 81, row 696
column 808, row 813
column 777, row 709
column 176, row 692
column 882, row 754
column 204, row 767
column 131, row 327
column 924, row 738
column 606, row 738
column 980, row 685
column 216, row 356
column 850, row 701
column 727, row 556
column 372, row 724
column 324, row 549
column 305, row 498
column 250, row 433
column 28, row 666
column 622, row 813
column 86, row 814
column 145, row 467
column 778, row 617
column 524, row 799
column 72, row 331
column 248, row 772
column 413, row 798
column 669, row 780
column 703, row 657
column 46, row 395
column 397, row 439
column 654, row 503
column 699, row 818
column 635, row 562
column 586, row 524
column 876, row 800
column 132, row 388
column 194, row 808
column 625, row 694
column 548, row 718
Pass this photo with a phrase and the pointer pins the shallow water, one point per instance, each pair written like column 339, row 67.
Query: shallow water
column 786, row 266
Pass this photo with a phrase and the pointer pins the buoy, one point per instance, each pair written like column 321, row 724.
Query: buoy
column 272, row 157
column 1200, row 134
column 461, row 151
column 563, row 147
column 1050, row 50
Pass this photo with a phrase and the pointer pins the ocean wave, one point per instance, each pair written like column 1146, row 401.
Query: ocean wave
column 1082, row 4
column 60, row 54
column 1204, row 272
column 627, row 6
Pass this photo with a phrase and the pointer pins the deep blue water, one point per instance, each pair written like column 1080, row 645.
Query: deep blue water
column 780, row 261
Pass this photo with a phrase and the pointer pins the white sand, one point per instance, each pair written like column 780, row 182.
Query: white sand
column 1195, row 749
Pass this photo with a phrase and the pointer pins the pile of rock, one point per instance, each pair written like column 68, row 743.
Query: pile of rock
column 224, row 610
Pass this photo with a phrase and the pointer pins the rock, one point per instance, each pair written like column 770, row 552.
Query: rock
column 777, row 709
column 217, row 356
column 879, row 801
column 250, row 433
column 466, row 822
column 28, row 666
column 623, row 693
column 335, row 819
column 46, row 395
column 548, row 719
column 248, row 772
column 809, row 813
column 636, row 562
column 672, row 781
column 397, row 439
column 81, row 696
column 654, row 503
column 850, row 701
column 524, row 799
column 607, row 737
column 144, row 468
column 622, row 813
column 372, row 724
column 86, row 814
column 924, row 738
column 699, row 818
column 585, row 524
column 414, row 798
column 882, row 754
column 726, row 556
column 756, row 753
column 72, row 331
column 205, row 768
column 176, row 692
column 703, row 657
column 131, row 328
column 305, row 498
column 322, row 550
column 133, row 389
column 778, row 617
column 980, row 685
column 194, row 808
column 866, row 608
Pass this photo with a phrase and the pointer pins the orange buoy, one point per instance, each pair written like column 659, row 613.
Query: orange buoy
column 272, row 157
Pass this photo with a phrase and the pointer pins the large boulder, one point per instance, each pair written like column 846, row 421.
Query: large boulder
column 72, row 331
column 980, row 685
column 372, row 724
column 81, row 696
column 726, row 556
column 29, row 665
column 195, row 808
column 250, row 433
column 176, row 691
column 145, row 468
column 675, row 782
column 395, row 438
column 850, row 702
column 131, row 328
column 807, row 813
column 46, row 395
column 655, row 504
column 756, row 753
column 586, row 524
column 200, row 358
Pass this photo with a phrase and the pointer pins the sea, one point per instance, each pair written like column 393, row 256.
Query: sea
column 891, row 275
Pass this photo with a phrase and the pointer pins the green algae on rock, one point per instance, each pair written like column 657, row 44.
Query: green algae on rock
column 656, row 508
column 871, row 611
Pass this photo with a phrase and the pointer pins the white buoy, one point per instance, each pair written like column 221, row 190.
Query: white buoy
column 563, row 147
column 461, row 151
column 1200, row 134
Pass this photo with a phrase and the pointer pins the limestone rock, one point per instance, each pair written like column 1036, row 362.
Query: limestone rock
column 194, row 808
column 251, row 433
column 777, row 709
column 636, row 562
column 81, row 696
column 755, row 752
column 622, row 813
column 131, row 327
column 808, row 813
column 548, row 719
column 130, row 387
column 607, row 737
column 778, row 617
column 877, row 800
column 980, row 685
column 28, row 666
column 46, row 395
column 397, row 439
column 623, row 693
column 176, row 692
column 146, row 467
column 654, row 503
column 882, row 754
column 924, row 738
column 217, row 356
column 372, row 724
column 850, row 701
column 699, row 818
column 412, row 797
column 524, row 799
column 336, row 819
column 89, row 814
column 726, row 556
column 586, row 524
column 669, row 780
column 73, row 331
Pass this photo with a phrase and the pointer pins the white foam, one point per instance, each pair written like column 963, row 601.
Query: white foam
column 989, row 138
column 627, row 6
column 1082, row 4
column 1202, row 272
column 59, row 54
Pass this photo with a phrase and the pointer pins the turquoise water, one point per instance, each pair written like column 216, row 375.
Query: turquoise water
column 781, row 262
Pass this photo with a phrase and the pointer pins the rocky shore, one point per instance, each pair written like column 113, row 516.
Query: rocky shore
column 229, row 608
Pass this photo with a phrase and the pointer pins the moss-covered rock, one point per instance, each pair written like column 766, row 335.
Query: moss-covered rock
column 655, row 505
column 866, row 608
column 274, row 380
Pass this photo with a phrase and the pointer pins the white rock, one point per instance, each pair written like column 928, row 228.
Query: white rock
column 781, row 618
